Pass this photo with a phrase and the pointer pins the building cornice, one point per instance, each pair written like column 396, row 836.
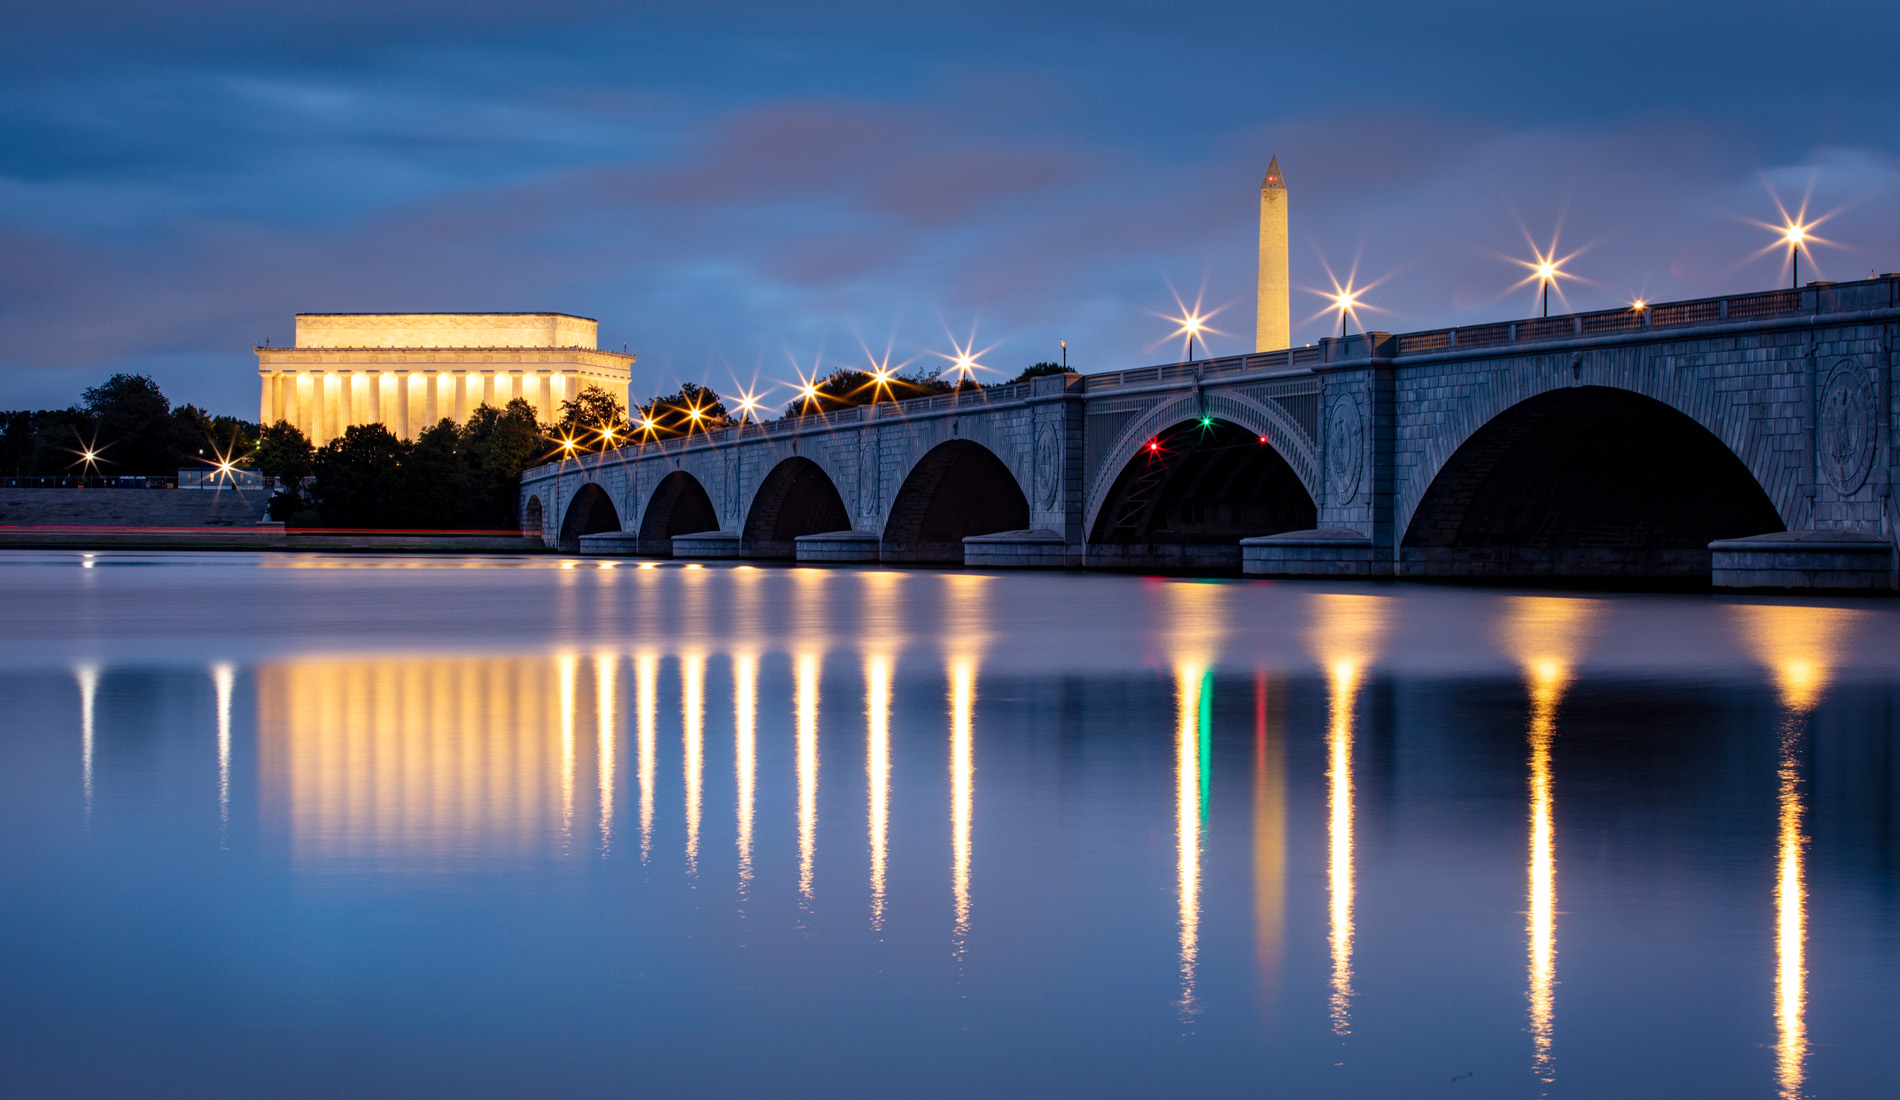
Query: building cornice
column 456, row 358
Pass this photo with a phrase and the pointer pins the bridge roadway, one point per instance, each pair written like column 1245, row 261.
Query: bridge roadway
column 1744, row 441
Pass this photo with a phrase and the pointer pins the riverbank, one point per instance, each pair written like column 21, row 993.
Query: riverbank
column 263, row 537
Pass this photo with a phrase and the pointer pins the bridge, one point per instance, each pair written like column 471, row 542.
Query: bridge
column 1744, row 441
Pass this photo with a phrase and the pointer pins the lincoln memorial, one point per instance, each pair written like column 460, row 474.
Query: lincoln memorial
column 407, row 371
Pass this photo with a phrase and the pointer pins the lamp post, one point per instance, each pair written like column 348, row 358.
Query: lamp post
column 1796, row 235
column 1344, row 301
column 1192, row 326
column 1546, row 274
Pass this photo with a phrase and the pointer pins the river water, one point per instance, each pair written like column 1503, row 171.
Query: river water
column 382, row 826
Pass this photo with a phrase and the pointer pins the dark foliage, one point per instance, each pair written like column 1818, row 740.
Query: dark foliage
column 694, row 408
column 1038, row 370
column 450, row 478
column 591, row 413
column 129, row 426
column 844, row 388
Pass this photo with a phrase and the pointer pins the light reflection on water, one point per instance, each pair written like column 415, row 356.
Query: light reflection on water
column 1270, row 841
column 1800, row 647
column 1547, row 636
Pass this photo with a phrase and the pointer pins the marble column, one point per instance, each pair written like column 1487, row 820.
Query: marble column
column 326, row 409
column 345, row 401
column 431, row 407
column 400, row 425
column 293, row 402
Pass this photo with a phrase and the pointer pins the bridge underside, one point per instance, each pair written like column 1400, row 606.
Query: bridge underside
column 1585, row 483
column 1191, row 495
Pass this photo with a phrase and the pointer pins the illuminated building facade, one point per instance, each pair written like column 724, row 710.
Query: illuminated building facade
column 407, row 371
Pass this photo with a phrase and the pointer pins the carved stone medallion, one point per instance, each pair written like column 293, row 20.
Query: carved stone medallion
column 1048, row 463
column 1345, row 449
column 1847, row 427
column 867, row 476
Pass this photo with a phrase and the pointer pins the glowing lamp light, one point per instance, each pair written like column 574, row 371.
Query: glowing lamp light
column 1639, row 305
column 1154, row 446
column 1263, row 439
column 695, row 414
column 1547, row 271
column 1796, row 234
column 1207, row 421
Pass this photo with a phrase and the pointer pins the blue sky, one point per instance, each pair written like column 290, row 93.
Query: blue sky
column 734, row 189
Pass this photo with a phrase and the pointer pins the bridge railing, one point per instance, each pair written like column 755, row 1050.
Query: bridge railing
column 1701, row 311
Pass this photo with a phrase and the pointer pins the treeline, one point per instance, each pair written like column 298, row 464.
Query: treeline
column 449, row 477
column 127, row 426
column 847, row 387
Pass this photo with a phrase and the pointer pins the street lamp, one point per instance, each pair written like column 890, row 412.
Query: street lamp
column 1546, row 274
column 1344, row 301
column 1796, row 235
column 1192, row 325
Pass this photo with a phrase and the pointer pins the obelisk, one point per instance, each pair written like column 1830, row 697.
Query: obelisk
column 1273, row 324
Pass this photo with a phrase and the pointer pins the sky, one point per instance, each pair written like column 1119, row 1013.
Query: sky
column 740, row 192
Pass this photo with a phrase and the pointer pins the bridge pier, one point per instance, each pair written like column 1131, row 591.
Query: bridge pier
column 838, row 548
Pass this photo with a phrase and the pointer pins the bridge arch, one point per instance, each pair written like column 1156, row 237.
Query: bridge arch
column 1282, row 432
column 1191, row 492
column 796, row 498
column 1585, row 481
column 957, row 489
column 678, row 505
column 589, row 511
column 1724, row 417
column 533, row 517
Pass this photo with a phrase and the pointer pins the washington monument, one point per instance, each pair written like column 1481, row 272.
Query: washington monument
column 1273, row 326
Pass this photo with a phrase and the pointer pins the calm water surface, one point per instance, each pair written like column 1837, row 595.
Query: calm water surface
column 497, row 827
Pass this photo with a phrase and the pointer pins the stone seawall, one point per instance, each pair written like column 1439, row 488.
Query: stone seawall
column 131, row 507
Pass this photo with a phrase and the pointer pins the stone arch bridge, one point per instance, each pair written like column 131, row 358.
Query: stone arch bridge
column 1746, row 439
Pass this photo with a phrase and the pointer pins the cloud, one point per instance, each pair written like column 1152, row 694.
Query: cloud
column 720, row 185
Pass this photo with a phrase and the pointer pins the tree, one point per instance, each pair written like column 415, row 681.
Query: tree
column 590, row 412
column 497, row 444
column 432, row 486
column 1038, row 370
column 134, row 428
column 695, row 408
column 846, row 387
column 283, row 452
column 357, row 477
